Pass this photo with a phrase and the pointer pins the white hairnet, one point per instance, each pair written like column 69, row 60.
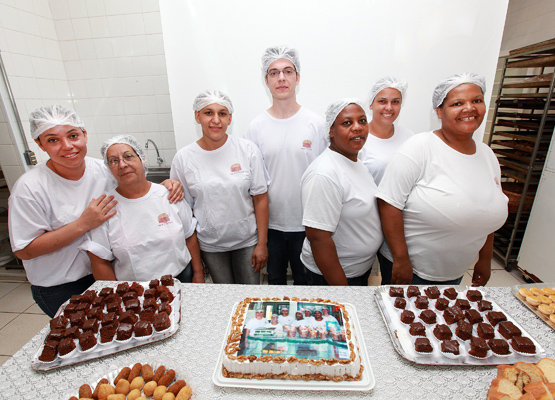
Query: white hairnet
column 278, row 52
column 335, row 108
column 445, row 86
column 387, row 82
column 125, row 139
column 44, row 118
column 212, row 96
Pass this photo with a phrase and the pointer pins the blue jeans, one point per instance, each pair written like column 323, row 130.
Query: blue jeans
column 313, row 279
column 386, row 268
column 186, row 276
column 284, row 248
column 231, row 266
column 416, row 280
column 49, row 299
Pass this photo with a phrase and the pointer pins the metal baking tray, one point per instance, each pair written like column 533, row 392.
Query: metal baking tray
column 103, row 349
column 403, row 342
column 515, row 291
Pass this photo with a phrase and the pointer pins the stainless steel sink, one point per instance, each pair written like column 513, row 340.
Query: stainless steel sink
column 157, row 174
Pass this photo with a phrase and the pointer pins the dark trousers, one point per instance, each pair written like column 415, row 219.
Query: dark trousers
column 313, row 279
column 49, row 299
column 284, row 248
column 386, row 268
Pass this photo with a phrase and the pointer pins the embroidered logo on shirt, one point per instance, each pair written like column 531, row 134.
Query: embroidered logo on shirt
column 307, row 144
column 236, row 168
column 496, row 181
column 163, row 219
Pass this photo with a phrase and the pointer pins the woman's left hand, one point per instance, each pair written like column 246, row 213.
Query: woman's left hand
column 259, row 257
column 198, row 278
column 176, row 190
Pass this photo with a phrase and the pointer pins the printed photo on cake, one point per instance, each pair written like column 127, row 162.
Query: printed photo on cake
column 290, row 328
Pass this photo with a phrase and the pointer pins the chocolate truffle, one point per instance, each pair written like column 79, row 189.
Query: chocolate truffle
column 421, row 302
column 485, row 331
column 473, row 316
column 432, row 292
column 474, row 295
column 463, row 330
column 396, row 292
column 407, row 316
column 162, row 321
column 417, row 329
column 523, row 344
column 413, row 291
column 441, row 304
column 484, row 305
column 499, row 346
column 428, row 316
column 400, row 303
column 478, row 347
column 450, row 346
column 495, row 317
column 423, row 345
column 452, row 315
column 442, row 332
column 450, row 293
column 463, row 304
column 508, row 330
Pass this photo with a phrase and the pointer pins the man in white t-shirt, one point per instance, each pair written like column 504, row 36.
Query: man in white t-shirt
column 285, row 318
column 290, row 137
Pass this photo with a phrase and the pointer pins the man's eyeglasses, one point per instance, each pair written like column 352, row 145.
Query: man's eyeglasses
column 274, row 73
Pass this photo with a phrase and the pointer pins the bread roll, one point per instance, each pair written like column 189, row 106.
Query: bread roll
column 547, row 365
column 503, row 389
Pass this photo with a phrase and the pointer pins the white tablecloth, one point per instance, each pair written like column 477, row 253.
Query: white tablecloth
column 195, row 347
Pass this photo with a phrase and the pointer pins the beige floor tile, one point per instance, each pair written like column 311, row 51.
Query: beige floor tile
column 18, row 332
column 467, row 279
column 34, row 309
column 496, row 264
column 374, row 280
column 502, row 278
column 3, row 359
column 18, row 300
column 6, row 318
column 7, row 287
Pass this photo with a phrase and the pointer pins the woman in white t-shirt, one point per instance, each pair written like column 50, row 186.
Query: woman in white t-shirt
column 440, row 198
column 385, row 100
column 148, row 237
column 226, row 185
column 52, row 206
column 340, row 213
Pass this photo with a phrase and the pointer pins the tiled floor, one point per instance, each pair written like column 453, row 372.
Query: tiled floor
column 21, row 318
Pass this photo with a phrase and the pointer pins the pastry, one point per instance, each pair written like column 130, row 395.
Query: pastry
column 478, row 347
column 485, row 331
column 441, row 304
column 499, row 346
column 463, row 304
column 428, row 316
column 417, row 329
column 450, row 346
column 523, row 344
column 452, row 315
column 473, row 316
column 450, row 293
column 66, row 346
column 463, row 330
column 167, row 280
column 407, row 317
column 413, row 291
column 423, row 345
column 495, row 317
column 442, row 332
column 474, row 295
column 484, row 305
column 400, row 303
column 124, row 331
column 432, row 292
column 142, row 328
column 161, row 321
column 508, row 330
column 546, row 309
column 87, row 340
column 396, row 292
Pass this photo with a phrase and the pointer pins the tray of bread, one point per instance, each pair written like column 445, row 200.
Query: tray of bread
column 453, row 326
column 106, row 321
column 157, row 379
column 524, row 381
column 540, row 298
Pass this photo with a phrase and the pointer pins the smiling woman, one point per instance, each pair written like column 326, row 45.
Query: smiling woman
column 440, row 198
column 340, row 212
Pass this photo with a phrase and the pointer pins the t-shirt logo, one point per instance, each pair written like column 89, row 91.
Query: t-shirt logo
column 496, row 181
column 163, row 219
column 307, row 144
column 235, row 168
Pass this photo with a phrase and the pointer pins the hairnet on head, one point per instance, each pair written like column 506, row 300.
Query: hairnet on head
column 335, row 108
column 125, row 139
column 387, row 82
column 211, row 96
column 277, row 53
column 44, row 118
column 445, row 86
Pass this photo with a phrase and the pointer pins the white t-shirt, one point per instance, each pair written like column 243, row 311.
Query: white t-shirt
column 330, row 318
column 286, row 320
column 339, row 197
column 255, row 323
column 42, row 201
column 218, row 186
column 288, row 147
column 319, row 324
column 277, row 328
column 377, row 153
column 450, row 201
column 146, row 237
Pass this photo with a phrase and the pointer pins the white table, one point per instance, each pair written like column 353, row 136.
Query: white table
column 205, row 314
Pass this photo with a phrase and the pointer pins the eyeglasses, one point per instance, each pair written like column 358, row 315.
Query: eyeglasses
column 287, row 72
column 127, row 159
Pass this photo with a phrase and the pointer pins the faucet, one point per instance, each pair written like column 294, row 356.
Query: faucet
column 159, row 159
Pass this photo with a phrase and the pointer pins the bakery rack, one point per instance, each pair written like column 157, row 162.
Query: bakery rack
column 521, row 131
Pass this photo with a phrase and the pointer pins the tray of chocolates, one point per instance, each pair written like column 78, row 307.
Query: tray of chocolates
column 106, row 321
column 538, row 297
column 458, row 325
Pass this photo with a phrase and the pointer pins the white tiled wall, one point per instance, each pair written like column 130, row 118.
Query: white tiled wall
column 104, row 58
